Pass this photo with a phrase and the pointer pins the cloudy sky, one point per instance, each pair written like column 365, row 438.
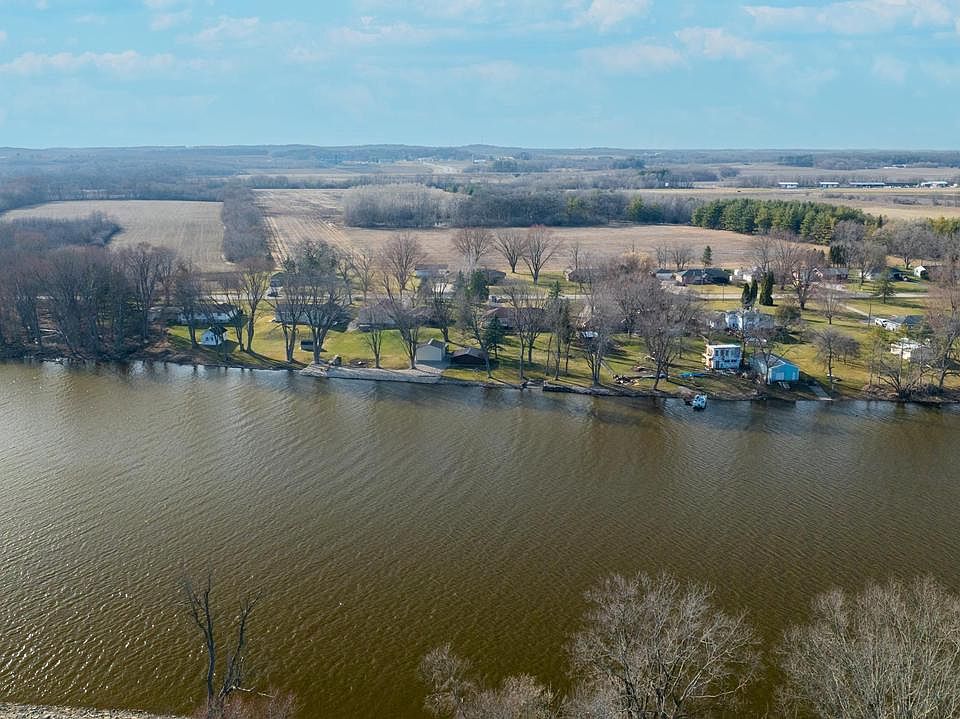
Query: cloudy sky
column 537, row 73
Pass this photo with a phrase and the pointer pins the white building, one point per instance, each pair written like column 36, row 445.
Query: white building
column 723, row 356
column 789, row 185
column 213, row 337
column 432, row 351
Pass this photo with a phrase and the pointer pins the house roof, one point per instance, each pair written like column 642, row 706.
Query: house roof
column 433, row 343
column 470, row 352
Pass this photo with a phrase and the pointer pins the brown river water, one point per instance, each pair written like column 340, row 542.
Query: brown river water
column 383, row 519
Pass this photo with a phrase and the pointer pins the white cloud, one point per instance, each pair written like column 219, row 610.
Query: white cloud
column 494, row 71
column 3, row 36
column 90, row 20
column 857, row 17
column 716, row 43
column 228, row 28
column 943, row 73
column 890, row 69
column 638, row 57
column 607, row 14
column 397, row 33
column 161, row 4
column 167, row 20
column 128, row 62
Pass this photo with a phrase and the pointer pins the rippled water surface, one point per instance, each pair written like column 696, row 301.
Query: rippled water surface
column 381, row 520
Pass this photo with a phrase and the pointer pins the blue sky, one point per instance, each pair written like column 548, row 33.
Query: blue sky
column 567, row 73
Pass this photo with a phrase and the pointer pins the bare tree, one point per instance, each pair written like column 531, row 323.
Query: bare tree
column 943, row 322
column 663, row 322
column 902, row 371
column 786, row 251
column 224, row 674
column 408, row 314
column 762, row 253
column 528, row 317
column 399, row 257
column 471, row 321
column 539, row 247
column 602, row 319
column 453, row 693
column 804, row 274
column 374, row 333
column 147, row 267
column 325, row 298
column 663, row 255
column 189, row 294
column 232, row 289
column 682, row 255
column 472, row 243
column 909, row 240
column 254, row 278
column 655, row 648
column 509, row 243
column 364, row 266
column 889, row 652
column 440, row 307
column 833, row 345
column 830, row 300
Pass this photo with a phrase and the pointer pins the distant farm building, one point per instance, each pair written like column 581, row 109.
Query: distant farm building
column 789, row 185
column 829, row 185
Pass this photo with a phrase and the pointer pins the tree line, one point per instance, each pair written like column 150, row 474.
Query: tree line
column 489, row 205
column 245, row 234
column 658, row 648
column 811, row 221
column 43, row 233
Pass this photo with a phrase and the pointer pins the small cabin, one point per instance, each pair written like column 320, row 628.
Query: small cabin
column 776, row 370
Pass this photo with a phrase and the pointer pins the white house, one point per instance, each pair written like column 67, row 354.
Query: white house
column 212, row 315
column 213, row 337
column 432, row 351
column 908, row 349
column 921, row 272
column 722, row 356
column 742, row 320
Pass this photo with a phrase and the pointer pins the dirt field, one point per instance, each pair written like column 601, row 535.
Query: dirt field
column 294, row 215
column 193, row 229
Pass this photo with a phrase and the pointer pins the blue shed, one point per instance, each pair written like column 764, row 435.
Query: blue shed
column 779, row 369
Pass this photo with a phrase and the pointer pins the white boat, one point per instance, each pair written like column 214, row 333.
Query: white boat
column 699, row 401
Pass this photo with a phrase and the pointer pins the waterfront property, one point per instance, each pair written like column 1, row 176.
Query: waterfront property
column 703, row 276
column 213, row 337
column 217, row 314
column 469, row 357
column 777, row 369
column 726, row 356
column 433, row 351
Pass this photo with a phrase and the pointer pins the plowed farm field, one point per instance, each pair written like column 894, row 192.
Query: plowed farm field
column 295, row 215
column 193, row 229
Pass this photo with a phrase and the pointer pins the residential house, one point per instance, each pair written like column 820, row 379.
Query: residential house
column 433, row 351
column 703, row 276
column 893, row 273
column 580, row 275
column 492, row 276
column 663, row 274
column 921, row 272
column 776, row 370
column 213, row 337
column 723, row 356
column 901, row 323
column 909, row 349
column 832, row 274
column 215, row 314
column 431, row 271
column 375, row 316
column 741, row 320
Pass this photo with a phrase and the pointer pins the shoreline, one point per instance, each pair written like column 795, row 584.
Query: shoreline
column 422, row 377
column 36, row 711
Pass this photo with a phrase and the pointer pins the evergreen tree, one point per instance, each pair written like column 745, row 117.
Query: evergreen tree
column 745, row 295
column 707, row 258
column 478, row 288
column 754, row 289
column 766, row 292
column 494, row 335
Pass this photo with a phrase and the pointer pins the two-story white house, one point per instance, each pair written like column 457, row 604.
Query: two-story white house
column 723, row 356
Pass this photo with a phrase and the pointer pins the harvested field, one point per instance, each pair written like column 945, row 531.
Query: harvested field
column 294, row 215
column 193, row 229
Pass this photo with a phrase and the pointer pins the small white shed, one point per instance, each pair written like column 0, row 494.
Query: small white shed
column 432, row 351
column 213, row 337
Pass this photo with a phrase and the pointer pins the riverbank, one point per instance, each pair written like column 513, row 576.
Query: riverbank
column 718, row 388
column 24, row 711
